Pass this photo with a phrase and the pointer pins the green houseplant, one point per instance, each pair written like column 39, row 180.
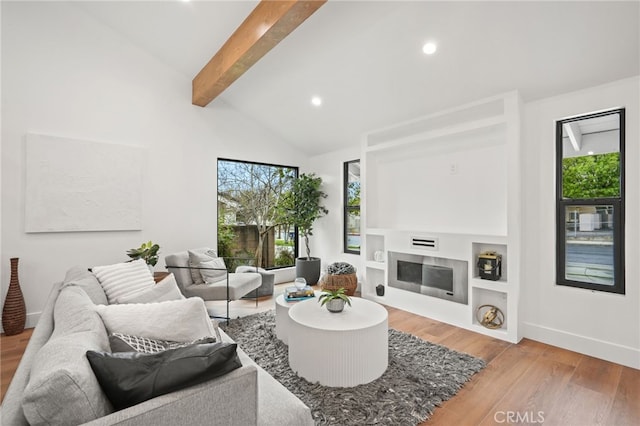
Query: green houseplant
column 147, row 251
column 302, row 206
column 334, row 299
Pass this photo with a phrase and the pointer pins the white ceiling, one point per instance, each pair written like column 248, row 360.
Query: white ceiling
column 364, row 57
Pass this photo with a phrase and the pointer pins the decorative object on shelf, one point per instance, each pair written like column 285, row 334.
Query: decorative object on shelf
column 14, row 313
column 147, row 251
column 380, row 290
column 334, row 299
column 300, row 283
column 490, row 265
column 378, row 256
column 301, row 207
column 490, row 316
column 340, row 275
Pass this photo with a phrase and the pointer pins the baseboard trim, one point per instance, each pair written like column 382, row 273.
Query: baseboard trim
column 597, row 348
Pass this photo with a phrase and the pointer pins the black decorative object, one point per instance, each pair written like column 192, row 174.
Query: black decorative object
column 490, row 265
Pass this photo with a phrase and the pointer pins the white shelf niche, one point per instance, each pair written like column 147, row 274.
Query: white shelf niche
column 480, row 247
column 499, row 299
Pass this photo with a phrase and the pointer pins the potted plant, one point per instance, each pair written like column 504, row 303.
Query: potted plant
column 147, row 251
column 302, row 208
column 334, row 299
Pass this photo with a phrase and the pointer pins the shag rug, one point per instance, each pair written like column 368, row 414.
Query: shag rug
column 421, row 375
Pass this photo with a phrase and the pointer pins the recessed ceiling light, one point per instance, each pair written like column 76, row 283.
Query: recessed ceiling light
column 316, row 101
column 590, row 152
column 429, row 48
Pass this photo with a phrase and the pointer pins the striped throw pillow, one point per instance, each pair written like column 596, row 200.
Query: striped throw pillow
column 124, row 279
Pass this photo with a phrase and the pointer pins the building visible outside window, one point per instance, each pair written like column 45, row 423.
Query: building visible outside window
column 352, row 207
column 250, row 225
column 590, row 201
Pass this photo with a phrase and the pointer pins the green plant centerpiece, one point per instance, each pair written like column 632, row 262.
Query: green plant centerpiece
column 302, row 205
column 334, row 299
column 147, row 251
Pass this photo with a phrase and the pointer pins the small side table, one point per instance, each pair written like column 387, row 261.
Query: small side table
column 282, row 316
column 159, row 276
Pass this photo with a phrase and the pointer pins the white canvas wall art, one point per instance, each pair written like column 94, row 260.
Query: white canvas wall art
column 77, row 185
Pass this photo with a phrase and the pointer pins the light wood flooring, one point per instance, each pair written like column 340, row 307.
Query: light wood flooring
column 528, row 383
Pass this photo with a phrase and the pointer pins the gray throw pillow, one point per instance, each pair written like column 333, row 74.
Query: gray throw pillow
column 129, row 378
column 125, row 343
column 210, row 268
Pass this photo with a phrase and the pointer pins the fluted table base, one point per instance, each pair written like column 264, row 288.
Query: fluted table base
column 338, row 349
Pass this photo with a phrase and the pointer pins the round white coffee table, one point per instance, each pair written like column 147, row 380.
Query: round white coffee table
column 343, row 349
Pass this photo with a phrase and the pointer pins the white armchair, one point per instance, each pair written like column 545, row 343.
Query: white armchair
column 210, row 280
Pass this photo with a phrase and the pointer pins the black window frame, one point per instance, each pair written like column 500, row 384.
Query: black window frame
column 296, row 173
column 618, row 204
column 347, row 208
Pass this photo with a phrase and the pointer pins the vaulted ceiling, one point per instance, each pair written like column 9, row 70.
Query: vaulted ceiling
column 364, row 58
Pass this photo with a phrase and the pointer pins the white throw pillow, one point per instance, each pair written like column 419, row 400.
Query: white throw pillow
column 206, row 260
column 123, row 279
column 182, row 320
column 166, row 289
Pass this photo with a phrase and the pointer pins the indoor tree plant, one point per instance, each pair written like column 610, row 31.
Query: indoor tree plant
column 334, row 299
column 302, row 206
column 147, row 251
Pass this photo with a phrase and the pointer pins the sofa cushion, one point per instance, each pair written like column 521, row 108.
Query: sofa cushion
column 182, row 320
column 166, row 289
column 83, row 278
column 62, row 387
column 129, row 378
column 125, row 343
column 213, row 267
column 122, row 279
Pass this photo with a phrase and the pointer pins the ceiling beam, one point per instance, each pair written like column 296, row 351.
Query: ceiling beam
column 266, row 26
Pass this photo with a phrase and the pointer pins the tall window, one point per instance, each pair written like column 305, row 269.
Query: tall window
column 352, row 207
column 250, row 228
column 590, row 201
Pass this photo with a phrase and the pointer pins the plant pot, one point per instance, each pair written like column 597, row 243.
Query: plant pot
column 309, row 269
column 335, row 305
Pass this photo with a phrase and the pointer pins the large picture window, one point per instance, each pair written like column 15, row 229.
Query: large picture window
column 251, row 230
column 590, row 201
column 352, row 207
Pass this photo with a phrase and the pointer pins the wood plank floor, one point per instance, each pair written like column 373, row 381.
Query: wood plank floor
column 528, row 383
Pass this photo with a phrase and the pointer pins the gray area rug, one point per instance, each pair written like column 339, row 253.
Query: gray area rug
column 420, row 376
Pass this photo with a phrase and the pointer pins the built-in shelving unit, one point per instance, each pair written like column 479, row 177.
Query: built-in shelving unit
column 454, row 175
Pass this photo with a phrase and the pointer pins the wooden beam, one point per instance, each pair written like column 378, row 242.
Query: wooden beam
column 266, row 26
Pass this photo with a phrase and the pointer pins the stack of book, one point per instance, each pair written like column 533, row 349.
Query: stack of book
column 292, row 293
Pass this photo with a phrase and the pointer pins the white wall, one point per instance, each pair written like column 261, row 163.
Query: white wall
column 64, row 74
column 457, row 191
column 599, row 324
column 327, row 240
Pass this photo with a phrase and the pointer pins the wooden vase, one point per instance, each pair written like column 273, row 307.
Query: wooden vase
column 14, row 313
